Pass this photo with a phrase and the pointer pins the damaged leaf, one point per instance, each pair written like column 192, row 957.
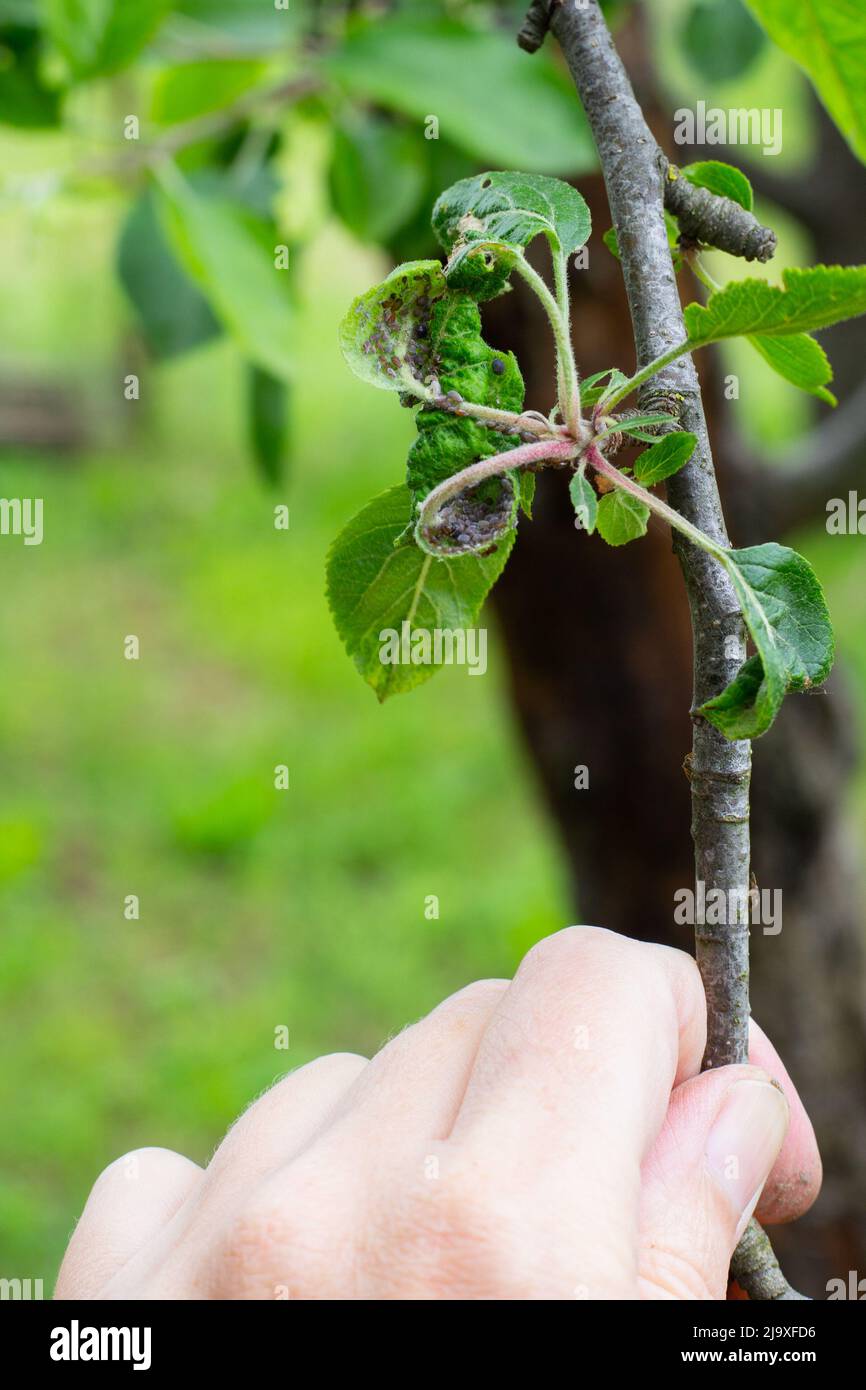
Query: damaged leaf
column 486, row 221
column 383, row 337
column 448, row 443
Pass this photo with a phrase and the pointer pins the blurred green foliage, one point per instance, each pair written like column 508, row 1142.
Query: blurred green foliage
column 259, row 908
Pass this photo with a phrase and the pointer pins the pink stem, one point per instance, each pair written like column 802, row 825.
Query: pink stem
column 560, row 449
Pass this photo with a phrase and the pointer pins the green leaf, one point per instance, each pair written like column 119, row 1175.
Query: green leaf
column 187, row 90
column 248, row 24
column 786, row 613
column 812, row 298
column 489, row 99
column 799, row 359
column 592, row 388
column 173, row 313
column 225, row 249
column 637, row 424
column 25, row 99
column 527, row 492
column 97, row 37
column 584, row 501
column 512, row 209
column 377, row 176
column 268, row 415
column 376, row 583
column 720, row 39
column 621, row 517
column 385, row 335
column 645, row 436
column 610, row 240
column 723, row 179
column 665, row 458
column 447, row 443
column 828, row 39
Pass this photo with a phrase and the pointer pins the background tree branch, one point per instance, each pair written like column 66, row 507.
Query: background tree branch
column 825, row 463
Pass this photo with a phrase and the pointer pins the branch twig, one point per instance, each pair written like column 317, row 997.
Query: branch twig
column 211, row 124
column 712, row 220
column 756, row 1269
column 536, row 24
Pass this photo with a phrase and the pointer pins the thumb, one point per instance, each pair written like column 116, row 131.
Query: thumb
column 702, row 1179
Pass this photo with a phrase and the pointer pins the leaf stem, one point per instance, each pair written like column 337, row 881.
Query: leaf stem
column 489, row 415
column 655, row 504
column 545, row 449
column 560, row 281
column 698, row 269
column 557, row 313
column 607, row 403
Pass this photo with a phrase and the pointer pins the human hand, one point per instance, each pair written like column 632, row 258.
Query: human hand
column 545, row 1138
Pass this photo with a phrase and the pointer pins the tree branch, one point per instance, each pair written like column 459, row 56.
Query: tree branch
column 719, row 770
column 756, row 1270
column 703, row 217
column 206, row 127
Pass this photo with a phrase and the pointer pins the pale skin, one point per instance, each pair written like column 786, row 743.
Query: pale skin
column 548, row 1137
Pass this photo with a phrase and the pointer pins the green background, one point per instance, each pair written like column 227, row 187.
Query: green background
column 260, row 909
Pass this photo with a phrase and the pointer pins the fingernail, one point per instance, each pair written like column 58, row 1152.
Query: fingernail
column 744, row 1143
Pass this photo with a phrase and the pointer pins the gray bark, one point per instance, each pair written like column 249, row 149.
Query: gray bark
column 718, row 770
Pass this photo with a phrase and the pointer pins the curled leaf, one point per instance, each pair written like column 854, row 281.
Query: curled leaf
column 584, row 501
column 466, row 366
column 385, row 335
column 485, row 221
column 481, row 269
column 473, row 522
